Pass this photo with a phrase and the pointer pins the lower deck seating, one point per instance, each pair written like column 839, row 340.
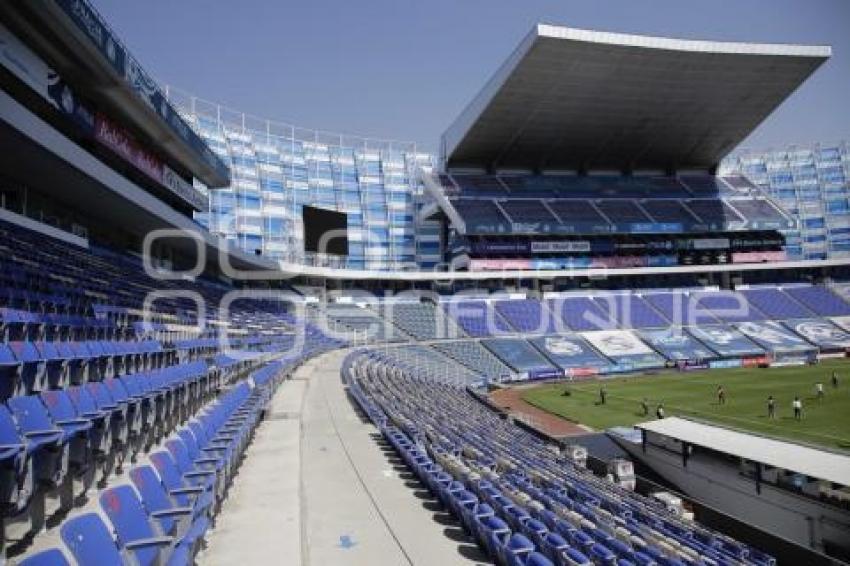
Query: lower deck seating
column 162, row 515
column 510, row 491
column 92, row 376
column 475, row 357
column 423, row 321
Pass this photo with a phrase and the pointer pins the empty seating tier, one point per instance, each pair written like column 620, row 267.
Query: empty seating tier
column 509, row 489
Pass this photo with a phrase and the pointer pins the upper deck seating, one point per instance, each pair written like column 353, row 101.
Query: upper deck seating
column 713, row 211
column 526, row 211
column 667, row 210
column 576, row 211
column 480, row 185
column 705, row 185
column 758, row 210
column 481, row 215
column 622, row 211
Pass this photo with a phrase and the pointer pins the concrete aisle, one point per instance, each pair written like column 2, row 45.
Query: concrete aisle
column 357, row 503
column 260, row 520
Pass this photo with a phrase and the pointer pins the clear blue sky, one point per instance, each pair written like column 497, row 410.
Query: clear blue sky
column 403, row 69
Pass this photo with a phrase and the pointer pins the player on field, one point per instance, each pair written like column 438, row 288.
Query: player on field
column 721, row 395
column 602, row 395
column 659, row 412
column 771, row 407
column 819, row 390
column 834, row 380
column 798, row 408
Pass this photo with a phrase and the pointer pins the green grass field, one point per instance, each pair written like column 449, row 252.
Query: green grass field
column 825, row 422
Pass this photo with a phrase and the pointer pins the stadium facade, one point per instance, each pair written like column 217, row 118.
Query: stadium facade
column 812, row 182
column 277, row 168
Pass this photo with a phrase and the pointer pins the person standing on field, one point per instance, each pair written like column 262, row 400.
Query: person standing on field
column 721, row 395
column 798, row 409
column 771, row 407
column 819, row 390
column 834, row 380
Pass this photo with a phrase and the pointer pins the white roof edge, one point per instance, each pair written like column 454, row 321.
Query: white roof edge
column 688, row 45
column 454, row 134
column 813, row 462
column 458, row 129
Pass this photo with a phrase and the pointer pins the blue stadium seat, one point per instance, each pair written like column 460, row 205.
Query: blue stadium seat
column 515, row 550
column 49, row 557
column 16, row 473
column 190, row 490
column 135, row 532
column 90, row 542
column 50, row 440
column 184, row 523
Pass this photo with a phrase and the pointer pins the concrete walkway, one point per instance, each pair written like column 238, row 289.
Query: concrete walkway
column 339, row 496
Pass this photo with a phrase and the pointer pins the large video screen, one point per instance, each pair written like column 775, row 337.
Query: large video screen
column 325, row 231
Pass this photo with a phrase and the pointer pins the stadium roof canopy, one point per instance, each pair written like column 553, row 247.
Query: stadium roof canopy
column 570, row 99
column 820, row 464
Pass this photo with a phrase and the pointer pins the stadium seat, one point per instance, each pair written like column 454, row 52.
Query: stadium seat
column 49, row 557
column 185, row 523
column 88, row 539
column 136, row 533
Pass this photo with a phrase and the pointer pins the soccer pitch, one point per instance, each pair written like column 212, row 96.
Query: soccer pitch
column 825, row 422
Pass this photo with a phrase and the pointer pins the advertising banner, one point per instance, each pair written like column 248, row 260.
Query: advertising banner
column 656, row 227
column 518, row 354
column 619, row 261
column 499, row 247
column 841, row 321
column 569, row 352
column 545, row 373
column 758, row 257
column 616, row 343
column 820, row 332
column 88, row 21
column 119, row 140
column 676, row 344
column 774, row 337
column 725, row 364
column 709, row 243
column 755, row 362
column 582, row 372
column 662, row 260
column 184, row 190
column 726, row 341
column 624, row 348
column 555, row 247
